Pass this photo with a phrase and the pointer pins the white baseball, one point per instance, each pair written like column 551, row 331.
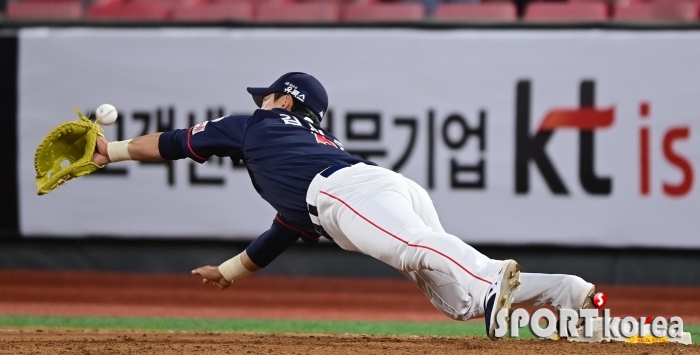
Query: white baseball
column 106, row 114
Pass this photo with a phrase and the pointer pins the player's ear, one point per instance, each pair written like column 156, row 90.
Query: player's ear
column 288, row 102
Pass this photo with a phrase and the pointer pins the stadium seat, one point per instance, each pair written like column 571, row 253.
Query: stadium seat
column 254, row 2
column 298, row 12
column 384, row 12
column 240, row 11
column 109, row 2
column 477, row 12
column 133, row 12
column 170, row 3
column 341, row 2
column 608, row 2
column 63, row 10
column 566, row 12
column 48, row 1
column 667, row 11
column 697, row 2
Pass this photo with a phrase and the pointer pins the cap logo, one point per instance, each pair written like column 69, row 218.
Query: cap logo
column 292, row 90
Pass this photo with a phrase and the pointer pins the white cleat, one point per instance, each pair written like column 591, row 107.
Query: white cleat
column 500, row 295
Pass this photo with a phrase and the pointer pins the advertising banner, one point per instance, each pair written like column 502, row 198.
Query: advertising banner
column 568, row 137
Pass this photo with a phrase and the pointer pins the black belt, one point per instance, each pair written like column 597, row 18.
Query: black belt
column 332, row 169
column 313, row 210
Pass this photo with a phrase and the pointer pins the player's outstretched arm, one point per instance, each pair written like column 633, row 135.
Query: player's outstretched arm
column 222, row 275
column 144, row 148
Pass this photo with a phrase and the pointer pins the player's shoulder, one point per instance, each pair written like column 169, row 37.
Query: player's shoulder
column 226, row 122
column 231, row 119
column 223, row 126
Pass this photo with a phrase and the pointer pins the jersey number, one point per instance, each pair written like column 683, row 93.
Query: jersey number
column 290, row 120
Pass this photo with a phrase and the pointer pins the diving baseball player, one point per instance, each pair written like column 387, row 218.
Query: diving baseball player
column 318, row 189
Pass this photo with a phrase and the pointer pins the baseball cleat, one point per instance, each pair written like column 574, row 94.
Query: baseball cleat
column 500, row 296
column 587, row 304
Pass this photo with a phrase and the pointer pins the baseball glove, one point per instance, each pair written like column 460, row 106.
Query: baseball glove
column 66, row 153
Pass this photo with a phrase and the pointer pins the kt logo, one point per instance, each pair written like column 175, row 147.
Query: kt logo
column 532, row 147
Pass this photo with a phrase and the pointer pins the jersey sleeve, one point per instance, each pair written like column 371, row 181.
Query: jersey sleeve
column 221, row 137
column 269, row 245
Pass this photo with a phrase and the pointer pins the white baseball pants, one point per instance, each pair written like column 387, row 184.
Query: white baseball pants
column 387, row 216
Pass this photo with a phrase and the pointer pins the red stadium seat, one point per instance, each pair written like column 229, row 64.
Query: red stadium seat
column 384, row 12
column 615, row 2
column 676, row 11
column 477, row 12
column 298, row 13
column 241, row 11
column 608, row 2
column 136, row 12
column 566, row 12
column 697, row 2
column 109, row 2
column 254, row 2
column 170, row 3
column 340, row 2
column 66, row 10
column 49, row 1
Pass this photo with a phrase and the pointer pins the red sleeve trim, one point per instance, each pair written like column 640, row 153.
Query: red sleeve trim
column 189, row 134
column 277, row 217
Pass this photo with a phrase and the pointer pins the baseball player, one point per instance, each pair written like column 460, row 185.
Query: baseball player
column 318, row 189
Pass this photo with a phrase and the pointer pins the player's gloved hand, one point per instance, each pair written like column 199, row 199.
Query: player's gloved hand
column 212, row 276
column 67, row 152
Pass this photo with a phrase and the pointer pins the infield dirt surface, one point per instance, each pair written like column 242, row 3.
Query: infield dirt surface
column 52, row 342
column 265, row 297
column 111, row 294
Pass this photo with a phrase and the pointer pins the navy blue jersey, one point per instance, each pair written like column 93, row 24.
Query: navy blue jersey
column 282, row 151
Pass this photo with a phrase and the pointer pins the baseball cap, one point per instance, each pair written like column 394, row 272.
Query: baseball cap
column 303, row 87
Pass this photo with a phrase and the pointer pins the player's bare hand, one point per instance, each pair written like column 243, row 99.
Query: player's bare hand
column 100, row 156
column 212, row 276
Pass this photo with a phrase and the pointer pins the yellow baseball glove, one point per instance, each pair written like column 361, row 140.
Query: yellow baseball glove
column 66, row 153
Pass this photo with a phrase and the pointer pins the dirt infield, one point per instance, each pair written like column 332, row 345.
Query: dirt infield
column 52, row 342
column 117, row 294
column 114, row 294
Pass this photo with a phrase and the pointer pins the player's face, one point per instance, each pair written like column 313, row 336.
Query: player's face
column 268, row 101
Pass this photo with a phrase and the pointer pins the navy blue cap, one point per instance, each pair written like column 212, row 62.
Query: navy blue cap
column 303, row 87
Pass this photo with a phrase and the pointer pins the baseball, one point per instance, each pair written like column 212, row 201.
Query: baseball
column 106, row 114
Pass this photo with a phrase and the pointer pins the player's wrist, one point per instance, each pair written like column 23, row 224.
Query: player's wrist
column 118, row 151
column 233, row 268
